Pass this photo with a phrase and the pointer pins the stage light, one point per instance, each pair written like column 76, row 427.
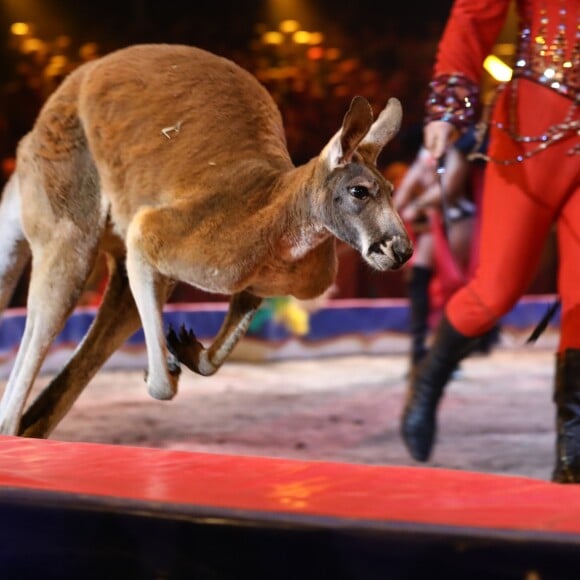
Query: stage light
column 497, row 68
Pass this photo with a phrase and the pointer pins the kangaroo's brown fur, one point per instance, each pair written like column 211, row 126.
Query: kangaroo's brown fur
column 179, row 157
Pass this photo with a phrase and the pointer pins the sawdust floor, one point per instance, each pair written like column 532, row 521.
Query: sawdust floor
column 496, row 418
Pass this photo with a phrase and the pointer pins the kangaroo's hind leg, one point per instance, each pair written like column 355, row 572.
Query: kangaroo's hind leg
column 115, row 321
column 64, row 245
column 14, row 249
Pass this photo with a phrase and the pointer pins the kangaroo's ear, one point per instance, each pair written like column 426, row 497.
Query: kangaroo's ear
column 356, row 124
column 382, row 131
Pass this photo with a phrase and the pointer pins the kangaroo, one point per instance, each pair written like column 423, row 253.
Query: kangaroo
column 173, row 161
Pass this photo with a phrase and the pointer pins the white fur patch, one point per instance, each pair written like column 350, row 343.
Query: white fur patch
column 11, row 220
column 306, row 241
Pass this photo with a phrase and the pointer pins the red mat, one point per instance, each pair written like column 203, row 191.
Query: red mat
column 277, row 486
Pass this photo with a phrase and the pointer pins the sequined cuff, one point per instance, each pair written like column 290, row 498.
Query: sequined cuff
column 453, row 98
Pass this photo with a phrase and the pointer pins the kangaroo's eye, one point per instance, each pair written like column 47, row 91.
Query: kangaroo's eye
column 359, row 191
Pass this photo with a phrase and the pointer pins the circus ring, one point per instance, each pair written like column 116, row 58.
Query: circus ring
column 75, row 509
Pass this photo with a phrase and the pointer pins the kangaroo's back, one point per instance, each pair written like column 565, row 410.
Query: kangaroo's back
column 173, row 113
column 155, row 122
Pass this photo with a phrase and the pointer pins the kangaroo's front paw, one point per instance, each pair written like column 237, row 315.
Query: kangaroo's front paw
column 173, row 365
column 185, row 347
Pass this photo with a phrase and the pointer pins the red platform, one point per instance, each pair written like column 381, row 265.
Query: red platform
column 151, row 513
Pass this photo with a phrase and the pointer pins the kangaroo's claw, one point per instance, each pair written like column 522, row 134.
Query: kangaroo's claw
column 185, row 347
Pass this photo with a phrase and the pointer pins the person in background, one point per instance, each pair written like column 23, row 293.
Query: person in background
column 440, row 211
column 531, row 183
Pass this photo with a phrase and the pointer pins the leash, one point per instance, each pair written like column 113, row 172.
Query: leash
column 444, row 202
column 542, row 325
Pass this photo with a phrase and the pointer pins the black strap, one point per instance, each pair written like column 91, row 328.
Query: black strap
column 544, row 322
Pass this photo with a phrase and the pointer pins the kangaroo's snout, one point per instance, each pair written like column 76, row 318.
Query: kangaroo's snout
column 390, row 253
column 402, row 249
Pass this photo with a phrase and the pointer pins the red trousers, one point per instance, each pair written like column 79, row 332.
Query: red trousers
column 520, row 204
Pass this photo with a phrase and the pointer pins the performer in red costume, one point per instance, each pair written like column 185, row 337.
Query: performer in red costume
column 532, row 182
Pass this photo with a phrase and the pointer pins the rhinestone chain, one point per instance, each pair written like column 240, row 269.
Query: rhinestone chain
column 555, row 133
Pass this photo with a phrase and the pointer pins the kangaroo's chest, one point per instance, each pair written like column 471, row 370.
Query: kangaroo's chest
column 304, row 278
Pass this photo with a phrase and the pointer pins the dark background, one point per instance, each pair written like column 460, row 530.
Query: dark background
column 226, row 22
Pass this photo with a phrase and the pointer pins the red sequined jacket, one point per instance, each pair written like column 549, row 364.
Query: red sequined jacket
column 548, row 52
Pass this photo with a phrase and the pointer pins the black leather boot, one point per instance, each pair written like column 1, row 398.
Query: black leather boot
column 418, row 290
column 567, row 399
column 426, row 386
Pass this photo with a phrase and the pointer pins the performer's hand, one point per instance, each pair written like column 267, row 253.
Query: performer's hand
column 438, row 137
column 409, row 213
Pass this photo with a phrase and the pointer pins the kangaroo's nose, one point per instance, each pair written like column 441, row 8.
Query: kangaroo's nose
column 402, row 249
